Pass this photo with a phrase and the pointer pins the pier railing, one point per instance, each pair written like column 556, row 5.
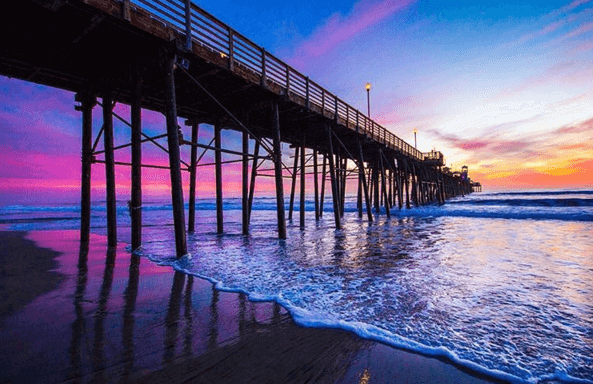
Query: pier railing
column 238, row 50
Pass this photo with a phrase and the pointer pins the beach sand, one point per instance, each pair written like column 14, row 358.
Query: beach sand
column 72, row 315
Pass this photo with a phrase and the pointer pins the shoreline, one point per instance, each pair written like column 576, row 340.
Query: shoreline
column 206, row 335
column 22, row 257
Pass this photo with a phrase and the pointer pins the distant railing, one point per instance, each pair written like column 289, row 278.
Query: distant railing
column 210, row 32
column 435, row 156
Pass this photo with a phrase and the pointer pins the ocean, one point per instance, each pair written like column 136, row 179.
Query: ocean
column 499, row 282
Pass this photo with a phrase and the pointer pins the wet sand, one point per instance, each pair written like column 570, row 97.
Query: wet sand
column 113, row 317
column 20, row 257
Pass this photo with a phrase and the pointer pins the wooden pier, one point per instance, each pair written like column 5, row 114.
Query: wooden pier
column 173, row 57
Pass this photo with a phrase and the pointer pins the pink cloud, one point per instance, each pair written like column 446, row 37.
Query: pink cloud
column 585, row 47
column 338, row 29
column 542, row 32
column 578, row 31
column 554, row 26
column 573, row 5
column 472, row 144
column 584, row 126
column 564, row 72
column 490, row 147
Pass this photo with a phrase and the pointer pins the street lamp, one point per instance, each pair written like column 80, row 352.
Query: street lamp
column 368, row 88
column 415, row 143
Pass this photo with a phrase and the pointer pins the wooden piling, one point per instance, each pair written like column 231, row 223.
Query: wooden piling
column 414, row 186
column 87, row 104
column 174, row 157
column 192, row 176
column 441, row 186
column 363, row 180
column 389, row 186
column 338, row 165
column 316, row 183
column 218, row 175
column 343, row 185
column 245, row 184
column 337, row 174
column 384, row 188
column 407, row 184
column 398, row 180
column 323, row 175
column 136, row 193
column 253, row 176
column 421, row 188
column 109, row 171
column 376, row 186
column 359, row 194
column 295, row 170
column 302, row 190
column 334, row 185
column 278, row 170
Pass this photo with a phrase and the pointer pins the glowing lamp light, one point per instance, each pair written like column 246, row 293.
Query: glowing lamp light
column 368, row 88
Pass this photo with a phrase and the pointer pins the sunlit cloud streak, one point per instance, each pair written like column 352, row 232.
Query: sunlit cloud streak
column 572, row 5
column 557, row 25
column 337, row 29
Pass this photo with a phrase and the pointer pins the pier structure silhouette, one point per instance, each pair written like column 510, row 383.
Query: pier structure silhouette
column 175, row 58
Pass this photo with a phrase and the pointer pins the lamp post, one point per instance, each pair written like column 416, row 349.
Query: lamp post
column 368, row 88
column 415, row 143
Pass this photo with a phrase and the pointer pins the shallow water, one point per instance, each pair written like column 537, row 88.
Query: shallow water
column 500, row 283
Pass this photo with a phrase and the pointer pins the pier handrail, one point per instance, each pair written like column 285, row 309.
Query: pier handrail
column 220, row 38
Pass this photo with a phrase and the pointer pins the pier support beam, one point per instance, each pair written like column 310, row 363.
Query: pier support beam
column 343, row 186
column 398, row 180
column 245, row 183
column 303, row 174
column 253, row 176
column 87, row 104
column 192, row 176
column 323, row 175
column 359, row 194
column 174, row 157
column 442, row 185
column 332, row 173
column 384, row 186
column 363, row 181
column 136, row 204
column 295, row 169
column 109, row 171
column 376, row 187
column 218, row 171
column 316, row 183
column 338, row 168
column 414, row 186
column 278, row 170
column 407, row 183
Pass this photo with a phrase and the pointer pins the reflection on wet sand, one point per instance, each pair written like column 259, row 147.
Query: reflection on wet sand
column 98, row 359
column 130, row 294
column 213, row 323
column 78, row 326
column 172, row 320
column 139, row 333
column 187, row 341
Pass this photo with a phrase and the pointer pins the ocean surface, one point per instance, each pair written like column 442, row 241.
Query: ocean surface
column 501, row 283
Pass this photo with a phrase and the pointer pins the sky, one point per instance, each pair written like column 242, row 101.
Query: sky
column 506, row 89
